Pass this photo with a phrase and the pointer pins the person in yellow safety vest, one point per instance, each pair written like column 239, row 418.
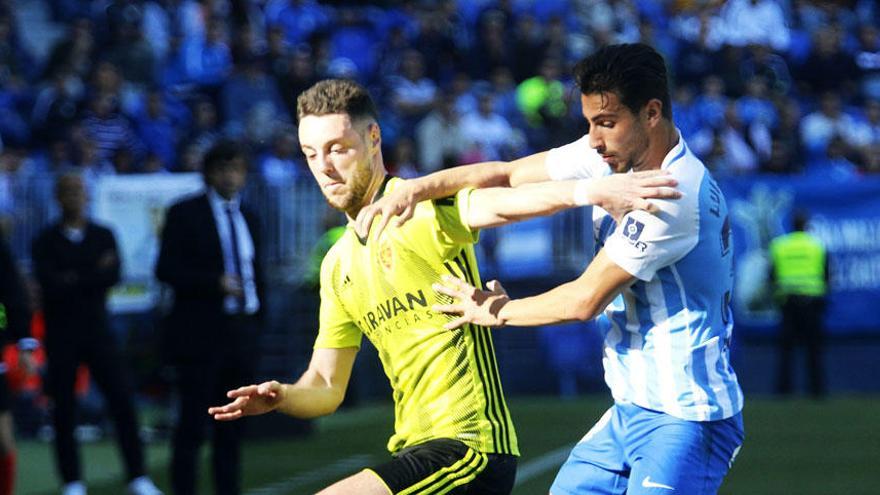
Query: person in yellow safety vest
column 541, row 99
column 800, row 277
column 333, row 230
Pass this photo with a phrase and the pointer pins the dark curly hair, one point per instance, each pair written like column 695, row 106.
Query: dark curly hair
column 635, row 72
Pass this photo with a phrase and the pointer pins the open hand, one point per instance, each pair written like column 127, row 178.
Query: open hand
column 399, row 203
column 618, row 194
column 249, row 401
column 473, row 305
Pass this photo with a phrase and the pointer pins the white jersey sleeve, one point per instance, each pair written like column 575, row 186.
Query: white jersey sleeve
column 643, row 243
column 575, row 160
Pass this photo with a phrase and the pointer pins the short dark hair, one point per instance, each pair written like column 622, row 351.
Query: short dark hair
column 223, row 152
column 634, row 71
column 336, row 96
column 800, row 220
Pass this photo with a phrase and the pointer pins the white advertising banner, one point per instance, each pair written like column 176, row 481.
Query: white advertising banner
column 133, row 207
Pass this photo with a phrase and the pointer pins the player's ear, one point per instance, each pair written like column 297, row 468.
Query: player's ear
column 653, row 111
column 375, row 137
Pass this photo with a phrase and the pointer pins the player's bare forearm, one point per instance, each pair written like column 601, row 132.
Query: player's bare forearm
column 616, row 193
column 479, row 175
column 581, row 299
column 400, row 203
column 322, row 387
column 447, row 182
column 502, row 205
column 562, row 304
column 312, row 399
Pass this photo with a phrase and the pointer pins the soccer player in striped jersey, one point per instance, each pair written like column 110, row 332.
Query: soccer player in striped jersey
column 453, row 432
column 663, row 281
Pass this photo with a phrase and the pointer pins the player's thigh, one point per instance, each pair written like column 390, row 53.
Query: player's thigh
column 497, row 479
column 441, row 466
column 596, row 465
column 364, row 482
column 588, row 479
column 684, row 456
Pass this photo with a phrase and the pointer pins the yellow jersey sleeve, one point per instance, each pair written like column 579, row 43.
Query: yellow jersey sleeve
column 451, row 214
column 336, row 327
column 439, row 228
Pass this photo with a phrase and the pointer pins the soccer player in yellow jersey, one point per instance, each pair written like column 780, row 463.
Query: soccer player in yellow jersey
column 453, row 432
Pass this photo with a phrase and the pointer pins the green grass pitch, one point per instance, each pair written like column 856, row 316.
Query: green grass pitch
column 792, row 446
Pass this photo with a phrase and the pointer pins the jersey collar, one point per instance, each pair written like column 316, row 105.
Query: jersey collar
column 676, row 152
column 379, row 194
column 381, row 191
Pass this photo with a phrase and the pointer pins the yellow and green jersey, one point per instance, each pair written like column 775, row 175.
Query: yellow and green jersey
column 445, row 382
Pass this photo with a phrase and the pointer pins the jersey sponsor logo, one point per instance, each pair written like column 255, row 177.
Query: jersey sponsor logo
column 647, row 483
column 394, row 307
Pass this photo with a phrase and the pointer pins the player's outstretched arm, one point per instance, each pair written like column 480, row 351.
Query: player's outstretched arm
column 318, row 392
column 617, row 193
column 581, row 299
column 249, row 400
column 398, row 205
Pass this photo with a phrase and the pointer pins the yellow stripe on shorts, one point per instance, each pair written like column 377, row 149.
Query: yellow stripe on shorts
column 445, row 480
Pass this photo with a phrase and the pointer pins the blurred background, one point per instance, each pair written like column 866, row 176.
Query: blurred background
column 780, row 98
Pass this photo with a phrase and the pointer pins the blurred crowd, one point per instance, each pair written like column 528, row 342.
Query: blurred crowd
column 138, row 86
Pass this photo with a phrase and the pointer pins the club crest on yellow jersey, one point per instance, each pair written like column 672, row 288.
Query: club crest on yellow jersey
column 386, row 256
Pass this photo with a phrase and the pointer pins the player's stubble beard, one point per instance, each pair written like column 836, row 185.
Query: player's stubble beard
column 353, row 198
column 638, row 143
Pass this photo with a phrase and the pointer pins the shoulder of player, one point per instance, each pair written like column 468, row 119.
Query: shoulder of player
column 344, row 242
column 690, row 174
column 331, row 260
column 577, row 153
column 675, row 215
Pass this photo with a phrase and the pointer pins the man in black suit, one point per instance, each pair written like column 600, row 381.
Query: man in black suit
column 76, row 262
column 209, row 257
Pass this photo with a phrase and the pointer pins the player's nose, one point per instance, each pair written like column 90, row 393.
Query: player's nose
column 596, row 141
column 326, row 165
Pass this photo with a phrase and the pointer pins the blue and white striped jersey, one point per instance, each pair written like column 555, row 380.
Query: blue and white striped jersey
column 667, row 337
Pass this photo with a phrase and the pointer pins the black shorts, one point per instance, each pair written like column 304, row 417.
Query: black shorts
column 446, row 466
